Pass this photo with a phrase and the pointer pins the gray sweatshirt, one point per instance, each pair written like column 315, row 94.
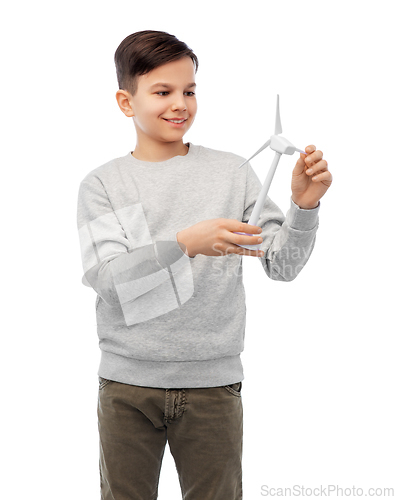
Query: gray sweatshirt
column 165, row 319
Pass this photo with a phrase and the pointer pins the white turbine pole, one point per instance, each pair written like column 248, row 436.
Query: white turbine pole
column 265, row 188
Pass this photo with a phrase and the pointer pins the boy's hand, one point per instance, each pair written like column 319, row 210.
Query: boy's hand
column 216, row 237
column 308, row 187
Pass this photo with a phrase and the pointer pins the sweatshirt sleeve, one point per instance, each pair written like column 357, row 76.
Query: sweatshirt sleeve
column 121, row 271
column 287, row 241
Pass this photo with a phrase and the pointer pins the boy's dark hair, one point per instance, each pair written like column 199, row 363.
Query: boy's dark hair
column 144, row 51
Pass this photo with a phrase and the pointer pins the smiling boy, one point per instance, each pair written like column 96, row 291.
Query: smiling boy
column 157, row 231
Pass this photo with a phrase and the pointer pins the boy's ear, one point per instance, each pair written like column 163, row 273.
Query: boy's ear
column 124, row 102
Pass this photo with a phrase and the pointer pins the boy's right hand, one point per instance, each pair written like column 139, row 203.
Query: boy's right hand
column 216, row 237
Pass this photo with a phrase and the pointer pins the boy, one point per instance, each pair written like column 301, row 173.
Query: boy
column 170, row 315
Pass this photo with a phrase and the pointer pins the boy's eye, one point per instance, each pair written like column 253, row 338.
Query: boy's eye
column 165, row 92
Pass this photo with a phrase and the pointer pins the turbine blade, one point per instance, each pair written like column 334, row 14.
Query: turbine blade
column 259, row 150
column 278, row 129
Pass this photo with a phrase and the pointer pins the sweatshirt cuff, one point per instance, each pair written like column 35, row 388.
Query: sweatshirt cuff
column 181, row 245
column 170, row 253
column 302, row 219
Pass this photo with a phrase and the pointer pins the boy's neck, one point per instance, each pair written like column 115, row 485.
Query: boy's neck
column 162, row 152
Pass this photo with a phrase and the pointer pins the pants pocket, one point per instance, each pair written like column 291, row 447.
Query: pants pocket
column 234, row 389
column 103, row 382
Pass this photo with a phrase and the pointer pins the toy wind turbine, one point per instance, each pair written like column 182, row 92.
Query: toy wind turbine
column 280, row 145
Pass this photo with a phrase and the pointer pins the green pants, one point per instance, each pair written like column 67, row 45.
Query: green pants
column 204, row 427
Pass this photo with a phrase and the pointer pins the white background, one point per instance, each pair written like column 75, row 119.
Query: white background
column 318, row 393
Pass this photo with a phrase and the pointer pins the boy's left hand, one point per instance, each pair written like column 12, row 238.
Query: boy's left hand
column 309, row 187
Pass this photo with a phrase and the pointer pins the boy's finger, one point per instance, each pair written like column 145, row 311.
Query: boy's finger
column 249, row 228
column 310, row 149
column 299, row 167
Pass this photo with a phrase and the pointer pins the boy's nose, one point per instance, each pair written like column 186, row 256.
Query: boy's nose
column 179, row 104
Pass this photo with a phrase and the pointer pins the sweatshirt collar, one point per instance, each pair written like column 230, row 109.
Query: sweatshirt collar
column 192, row 153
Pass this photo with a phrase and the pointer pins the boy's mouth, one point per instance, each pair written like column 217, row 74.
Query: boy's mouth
column 176, row 123
column 175, row 120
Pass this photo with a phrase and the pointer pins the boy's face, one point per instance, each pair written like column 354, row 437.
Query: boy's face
column 154, row 103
